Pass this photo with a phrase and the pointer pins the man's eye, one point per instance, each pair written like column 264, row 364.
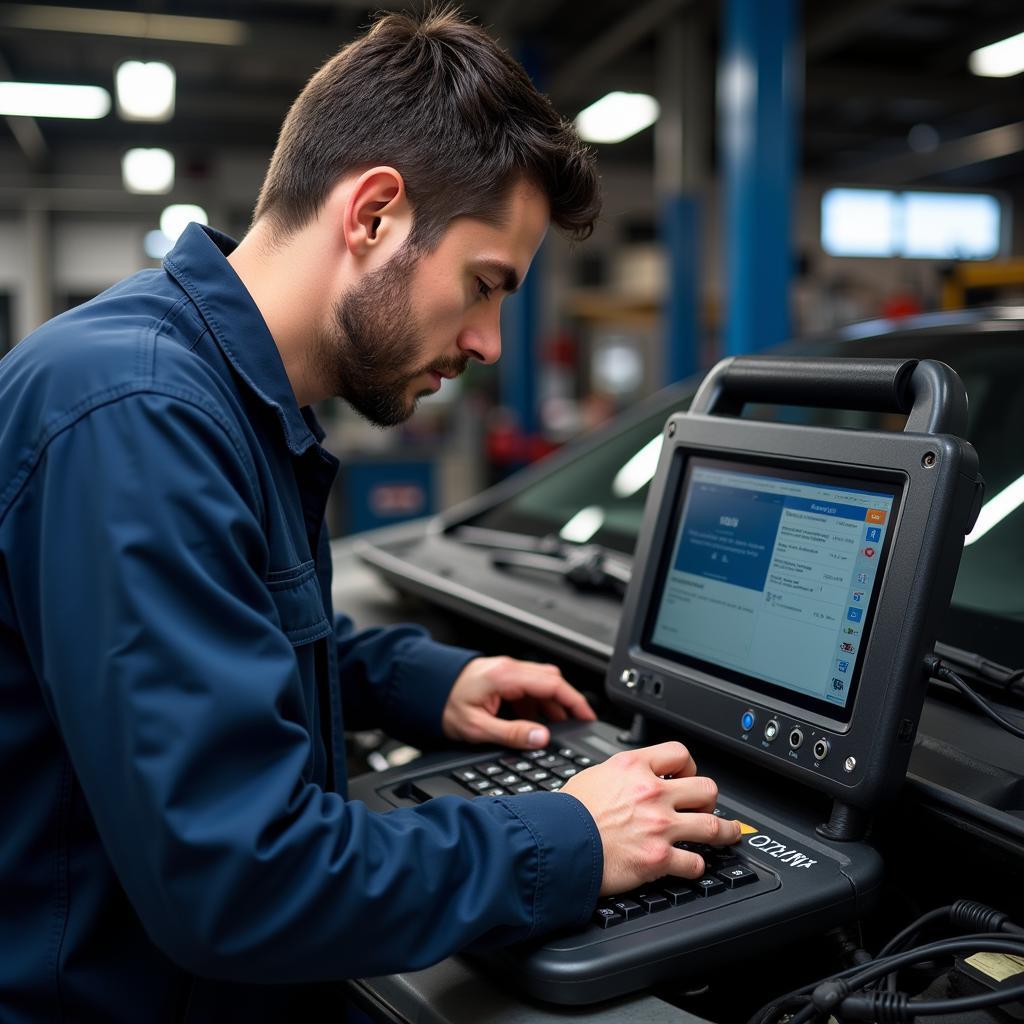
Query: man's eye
column 483, row 288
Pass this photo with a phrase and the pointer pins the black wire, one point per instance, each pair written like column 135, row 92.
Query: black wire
column 861, row 975
column 996, row 997
column 807, row 1013
column 947, row 675
column 1011, row 681
column 912, row 929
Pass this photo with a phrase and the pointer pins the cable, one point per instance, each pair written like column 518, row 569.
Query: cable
column 1000, row 678
column 938, row 669
column 827, row 994
column 885, row 1007
column 1011, row 681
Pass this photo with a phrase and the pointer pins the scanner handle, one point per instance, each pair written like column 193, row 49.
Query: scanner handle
column 929, row 392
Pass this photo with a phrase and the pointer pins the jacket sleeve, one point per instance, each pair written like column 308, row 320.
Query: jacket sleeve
column 396, row 678
column 147, row 615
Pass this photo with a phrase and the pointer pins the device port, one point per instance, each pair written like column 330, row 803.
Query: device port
column 821, row 749
column 796, row 738
column 656, row 687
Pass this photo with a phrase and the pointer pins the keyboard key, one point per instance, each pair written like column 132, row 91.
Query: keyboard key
column 524, row 787
column 725, row 860
column 652, row 901
column 508, row 779
column 583, row 762
column 679, row 892
column 627, row 907
column 605, row 917
column 567, row 772
column 567, row 752
column 516, row 764
column 495, row 791
column 465, row 774
column 535, row 755
column 538, row 775
column 488, row 768
column 737, row 876
column 708, row 886
column 551, row 761
column 552, row 785
column 479, row 785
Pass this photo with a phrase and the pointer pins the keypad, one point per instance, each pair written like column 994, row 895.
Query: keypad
column 723, row 872
column 516, row 772
column 522, row 772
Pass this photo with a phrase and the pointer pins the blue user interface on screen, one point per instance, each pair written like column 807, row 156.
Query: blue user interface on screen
column 772, row 577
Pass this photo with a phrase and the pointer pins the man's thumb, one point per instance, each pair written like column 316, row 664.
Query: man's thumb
column 523, row 734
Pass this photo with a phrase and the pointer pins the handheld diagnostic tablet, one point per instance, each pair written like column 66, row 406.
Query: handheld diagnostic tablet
column 788, row 579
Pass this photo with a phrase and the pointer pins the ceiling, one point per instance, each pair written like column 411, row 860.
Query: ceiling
column 875, row 69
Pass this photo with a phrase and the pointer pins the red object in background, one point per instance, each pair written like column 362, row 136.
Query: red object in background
column 561, row 349
column 900, row 305
column 507, row 446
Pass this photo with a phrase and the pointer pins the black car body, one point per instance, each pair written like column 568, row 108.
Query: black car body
column 498, row 566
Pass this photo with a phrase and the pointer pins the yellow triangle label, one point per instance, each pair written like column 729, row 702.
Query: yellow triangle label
column 745, row 829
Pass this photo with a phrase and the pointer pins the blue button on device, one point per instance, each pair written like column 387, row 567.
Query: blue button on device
column 747, row 721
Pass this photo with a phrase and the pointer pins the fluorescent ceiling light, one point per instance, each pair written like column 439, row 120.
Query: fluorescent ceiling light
column 993, row 512
column 999, row 60
column 36, row 99
column 639, row 470
column 582, row 526
column 145, row 91
column 156, row 244
column 131, row 24
column 178, row 216
column 148, row 171
column 617, row 116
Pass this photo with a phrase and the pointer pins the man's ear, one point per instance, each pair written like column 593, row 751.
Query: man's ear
column 377, row 218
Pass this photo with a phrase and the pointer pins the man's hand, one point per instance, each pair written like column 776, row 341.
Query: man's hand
column 532, row 689
column 643, row 801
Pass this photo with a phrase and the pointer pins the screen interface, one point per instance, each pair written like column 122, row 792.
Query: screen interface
column 772, row 577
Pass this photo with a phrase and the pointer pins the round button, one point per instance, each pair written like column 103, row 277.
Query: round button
column 771, row 730
column 748, row 720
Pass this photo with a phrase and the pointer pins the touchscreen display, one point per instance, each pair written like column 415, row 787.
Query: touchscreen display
column 772, row 577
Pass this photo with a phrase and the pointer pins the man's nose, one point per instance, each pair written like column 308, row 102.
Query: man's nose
column 482, row 343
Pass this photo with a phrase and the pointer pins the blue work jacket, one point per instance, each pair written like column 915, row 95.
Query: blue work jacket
column 176, row 843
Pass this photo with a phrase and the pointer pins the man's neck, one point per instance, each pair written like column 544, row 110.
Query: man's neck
column 285, row 283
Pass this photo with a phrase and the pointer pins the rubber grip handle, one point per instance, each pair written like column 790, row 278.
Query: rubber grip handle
column 929, row 392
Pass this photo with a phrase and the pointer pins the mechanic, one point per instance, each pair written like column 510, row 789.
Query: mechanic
column 177, row 844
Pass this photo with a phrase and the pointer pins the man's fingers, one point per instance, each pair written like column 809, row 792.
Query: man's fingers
column 554, row 711
column 528, row 682
column 695, row 793
column 684, row 864
column 670, row 758
column 520, row 733
column 693, row 827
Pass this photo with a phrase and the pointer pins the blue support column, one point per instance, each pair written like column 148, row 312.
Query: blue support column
column 680, row 224
column 520, row 321
column 681, row 143
column 759, row 102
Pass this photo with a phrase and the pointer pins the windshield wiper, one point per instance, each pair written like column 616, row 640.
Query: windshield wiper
column 585, row 566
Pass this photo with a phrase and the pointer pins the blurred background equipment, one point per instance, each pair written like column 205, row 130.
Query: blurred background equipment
column 771, row 169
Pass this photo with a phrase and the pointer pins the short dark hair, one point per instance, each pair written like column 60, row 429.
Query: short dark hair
column 436, row 98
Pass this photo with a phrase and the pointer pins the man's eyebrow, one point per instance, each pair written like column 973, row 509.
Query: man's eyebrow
column 507, row 274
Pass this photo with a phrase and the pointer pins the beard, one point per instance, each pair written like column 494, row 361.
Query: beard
column 371, row 353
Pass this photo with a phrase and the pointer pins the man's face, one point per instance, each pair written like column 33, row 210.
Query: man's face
column 422, row 317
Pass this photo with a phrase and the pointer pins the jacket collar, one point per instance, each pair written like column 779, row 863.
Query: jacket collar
column 198, row 262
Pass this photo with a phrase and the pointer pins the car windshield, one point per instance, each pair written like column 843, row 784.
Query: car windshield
column 599, row 496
